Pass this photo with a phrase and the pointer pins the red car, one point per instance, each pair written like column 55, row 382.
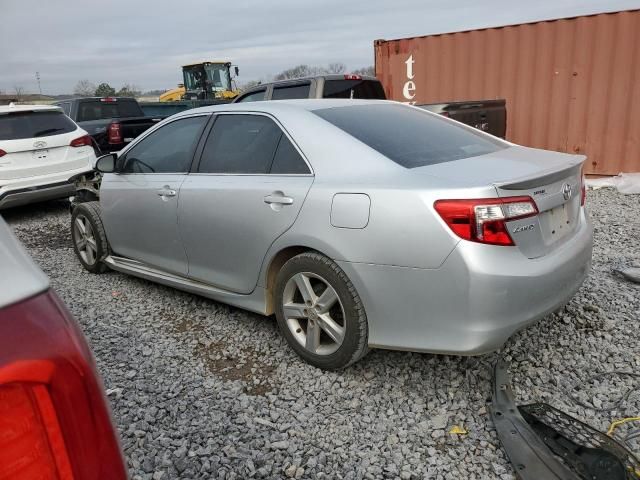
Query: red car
column 55, row 423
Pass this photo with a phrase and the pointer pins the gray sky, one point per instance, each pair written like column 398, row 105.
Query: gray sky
column 145, row 42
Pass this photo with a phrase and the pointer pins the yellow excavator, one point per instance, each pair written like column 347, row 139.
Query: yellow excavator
column 204, row 81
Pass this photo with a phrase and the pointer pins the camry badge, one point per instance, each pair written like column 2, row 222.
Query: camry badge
column 39, row 144
column 567, row 191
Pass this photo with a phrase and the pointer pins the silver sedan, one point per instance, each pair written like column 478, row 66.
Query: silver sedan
column 357, row 223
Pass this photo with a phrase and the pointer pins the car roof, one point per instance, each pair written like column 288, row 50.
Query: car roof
column 328, row 76
column 12, row 107
column 20, row 278
column 278, row 106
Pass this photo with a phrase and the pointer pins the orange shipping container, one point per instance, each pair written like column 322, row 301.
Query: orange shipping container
column 571, row 85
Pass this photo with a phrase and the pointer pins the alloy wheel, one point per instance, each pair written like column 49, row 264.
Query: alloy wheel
column 85, row 240
column 314, row 313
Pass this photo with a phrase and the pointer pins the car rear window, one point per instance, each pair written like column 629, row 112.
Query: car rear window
column 98, row 110
column 290, row 92
column 364, row 89
column 18, row 125
column 409, row 136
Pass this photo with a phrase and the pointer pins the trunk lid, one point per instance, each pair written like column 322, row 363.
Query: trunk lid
column 553, row 180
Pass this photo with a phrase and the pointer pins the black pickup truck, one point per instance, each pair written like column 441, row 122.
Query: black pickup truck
column 487, row 115
column 113, row 122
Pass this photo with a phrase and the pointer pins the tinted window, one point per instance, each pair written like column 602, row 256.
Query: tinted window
column 291, row 92
column 14, row 126
column 240, row 144
column 66, row 108
column 287, row 159
column 368, row 89
column 409, row 136
column 167, row 150
column 97, row 109
column 253, row 97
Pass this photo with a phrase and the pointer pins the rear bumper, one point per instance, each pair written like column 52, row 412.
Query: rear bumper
column 38, row 189
column 475, row 301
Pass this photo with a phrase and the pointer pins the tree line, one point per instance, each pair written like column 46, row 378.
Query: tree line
column 85, row 88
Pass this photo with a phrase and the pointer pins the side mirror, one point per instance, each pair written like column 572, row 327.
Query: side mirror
column 237, row 70
column 106, row 163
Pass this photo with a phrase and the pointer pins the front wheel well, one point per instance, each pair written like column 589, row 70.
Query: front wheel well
column 282, row 257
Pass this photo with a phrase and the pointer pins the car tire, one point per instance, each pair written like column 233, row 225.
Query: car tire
column 88, row 236
column 328, row 335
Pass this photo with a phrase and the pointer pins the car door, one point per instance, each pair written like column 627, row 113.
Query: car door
column 246, row 191
column 139, row 202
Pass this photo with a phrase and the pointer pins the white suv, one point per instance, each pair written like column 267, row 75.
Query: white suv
column 40, row 150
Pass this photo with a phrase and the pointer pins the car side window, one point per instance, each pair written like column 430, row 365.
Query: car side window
column 253, row 97
column 240, row 144
column 167, row 150
column 291, row 92
column 287, row 159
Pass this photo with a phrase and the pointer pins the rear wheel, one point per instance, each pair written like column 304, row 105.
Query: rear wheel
column 89, row 238
column 320, row 313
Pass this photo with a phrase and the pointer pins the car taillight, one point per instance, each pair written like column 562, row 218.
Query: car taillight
column 483, row 220
column 31, row 444
column 2, row 153
column 84, row 141
column 109, row 100
column 352, row 77
column 114, row 134
column 54, row 419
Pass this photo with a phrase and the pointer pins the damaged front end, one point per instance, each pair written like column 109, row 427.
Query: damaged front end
column 545, row 443
column 87, row 187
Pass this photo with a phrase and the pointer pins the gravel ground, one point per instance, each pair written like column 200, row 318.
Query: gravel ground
column 202, row 390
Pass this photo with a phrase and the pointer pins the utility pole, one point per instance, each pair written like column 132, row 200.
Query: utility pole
column 38, row 78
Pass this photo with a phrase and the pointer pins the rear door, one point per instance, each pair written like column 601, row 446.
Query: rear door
column 140, row 202
column 246, row 191
column 38, row 143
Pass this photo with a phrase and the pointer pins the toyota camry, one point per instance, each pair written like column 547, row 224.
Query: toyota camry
column 360, row 224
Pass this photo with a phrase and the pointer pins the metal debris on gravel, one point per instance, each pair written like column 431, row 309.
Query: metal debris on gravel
column 202, row 390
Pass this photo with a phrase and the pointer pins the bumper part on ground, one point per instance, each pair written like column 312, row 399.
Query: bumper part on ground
column 545, row 443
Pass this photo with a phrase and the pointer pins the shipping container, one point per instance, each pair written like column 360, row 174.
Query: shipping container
column 571, row 85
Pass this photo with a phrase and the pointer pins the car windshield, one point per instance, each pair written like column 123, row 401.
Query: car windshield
column 409, row 136
column 217, row 77
column 19, row 125
column 98, row 109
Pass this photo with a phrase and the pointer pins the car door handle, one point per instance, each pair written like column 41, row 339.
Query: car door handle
column 279, row 199
column 166, row 191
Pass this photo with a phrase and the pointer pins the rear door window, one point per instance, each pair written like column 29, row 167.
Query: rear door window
column 253, row 97
column 99, row 109
column 166, row 150
column 364, row 89
column 18, row 125
column 409, row 136
column 240, row 144
column 287, row 160
column 290, row 92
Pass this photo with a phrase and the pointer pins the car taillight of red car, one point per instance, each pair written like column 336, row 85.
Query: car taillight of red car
column 54, row 419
